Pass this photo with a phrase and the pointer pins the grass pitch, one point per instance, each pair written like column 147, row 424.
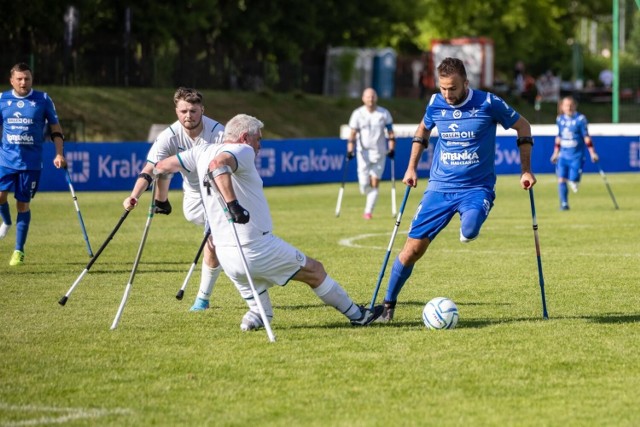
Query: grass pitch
column 502, row 365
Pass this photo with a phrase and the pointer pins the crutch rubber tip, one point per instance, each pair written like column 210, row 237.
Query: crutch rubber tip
column 63, row 300
column 180, row 294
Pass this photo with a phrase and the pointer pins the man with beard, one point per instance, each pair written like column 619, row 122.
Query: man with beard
column 462, row 177
column 191, row 129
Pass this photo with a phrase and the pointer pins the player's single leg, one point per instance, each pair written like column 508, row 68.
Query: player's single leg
column 474, row 209
column 210, row 271
column 26, row 188
column 331, row 293
column 364, row 184
column 23, row 220
column 433, row 214
column 562, row 171
column 374, row 174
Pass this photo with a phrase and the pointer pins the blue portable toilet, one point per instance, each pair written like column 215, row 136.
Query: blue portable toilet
column 384, row 72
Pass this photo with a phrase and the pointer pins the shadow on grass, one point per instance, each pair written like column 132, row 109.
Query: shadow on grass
column 613, row 318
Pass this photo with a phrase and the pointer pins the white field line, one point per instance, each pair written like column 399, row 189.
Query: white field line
column 356, row 242
column 68, row 414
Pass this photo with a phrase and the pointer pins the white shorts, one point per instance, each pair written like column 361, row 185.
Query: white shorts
column 368, row 169
column 271, row 261
column 193, row 209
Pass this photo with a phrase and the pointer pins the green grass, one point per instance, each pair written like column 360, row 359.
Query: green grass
column 126, row 114
column 502, row 365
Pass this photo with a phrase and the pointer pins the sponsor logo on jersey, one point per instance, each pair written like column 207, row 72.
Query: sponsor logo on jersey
column 456, row 134
column 459, row 159
column 17, row 119
column 443, row 113
column 21, row 139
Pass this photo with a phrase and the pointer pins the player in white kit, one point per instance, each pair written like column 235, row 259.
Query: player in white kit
column 370, row 124
column 230, row 169
column 191, row 129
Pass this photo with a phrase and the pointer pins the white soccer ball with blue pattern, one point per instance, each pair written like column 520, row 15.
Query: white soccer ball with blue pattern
column 440, row 313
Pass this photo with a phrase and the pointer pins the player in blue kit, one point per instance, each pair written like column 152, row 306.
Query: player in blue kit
column 25, row 115
column 462, row 178
column 568, row 153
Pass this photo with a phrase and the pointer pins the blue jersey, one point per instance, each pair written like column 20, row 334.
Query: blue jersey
column 23, row 124
column 572, row 130
column 464, row 155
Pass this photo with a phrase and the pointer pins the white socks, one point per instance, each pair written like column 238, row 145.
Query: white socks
column 372, row 197
column 331, row 293
column 207, row 280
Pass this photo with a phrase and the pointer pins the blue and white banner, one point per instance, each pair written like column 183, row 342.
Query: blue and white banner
column 115, row 166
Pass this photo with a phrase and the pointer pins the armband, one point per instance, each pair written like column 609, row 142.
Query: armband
column 524, row 140
column 352, row 141
column 557, row 145
column 589, row 144
column 147, row 177
column 421, row 141
column 219, row 171
column 54, row 134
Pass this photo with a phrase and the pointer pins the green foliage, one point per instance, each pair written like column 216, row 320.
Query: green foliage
column 165, row 366
column 121, row 114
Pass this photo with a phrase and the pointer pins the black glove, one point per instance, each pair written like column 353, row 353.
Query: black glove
column 239, row 214
column 350, row 155
column 163, row 208
column 391, row 154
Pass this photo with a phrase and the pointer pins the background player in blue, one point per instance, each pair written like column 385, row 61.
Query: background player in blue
column 568, row 153
column 462, row 178
column 25, row 115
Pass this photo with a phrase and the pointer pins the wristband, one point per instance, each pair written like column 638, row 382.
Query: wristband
column 421, row 141
column 524, row 140
column 54, row 134
column 147, row 177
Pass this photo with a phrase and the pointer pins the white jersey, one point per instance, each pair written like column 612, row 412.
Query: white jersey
column 370, row 126
column 174, row 140
column 247, row 185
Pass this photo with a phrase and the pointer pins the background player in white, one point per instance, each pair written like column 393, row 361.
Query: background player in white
column 368, row 124
column 25, row 116
column 462, row 177
column 271, row 260
column 568, row 153
column 191, row 129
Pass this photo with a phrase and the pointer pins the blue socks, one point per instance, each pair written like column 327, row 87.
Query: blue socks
column 563, row 191
column 397, row 279
column 22, row 228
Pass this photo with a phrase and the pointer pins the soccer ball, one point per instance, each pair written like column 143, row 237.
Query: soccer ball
column 440, row 313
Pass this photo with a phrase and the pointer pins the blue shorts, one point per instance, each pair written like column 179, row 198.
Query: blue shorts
column 436, row 210
column 25, row 183
column 570, row 169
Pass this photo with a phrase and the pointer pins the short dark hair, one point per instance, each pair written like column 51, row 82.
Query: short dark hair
column 189, row 95
column 20, row 67
column 451, row 66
